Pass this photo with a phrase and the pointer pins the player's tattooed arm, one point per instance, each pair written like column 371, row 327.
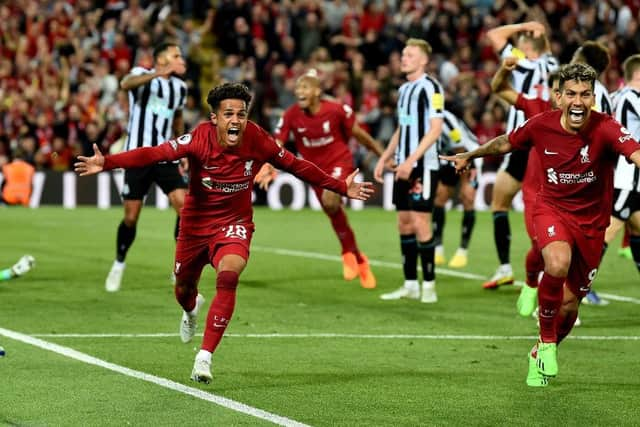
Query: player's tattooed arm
column 498, row 145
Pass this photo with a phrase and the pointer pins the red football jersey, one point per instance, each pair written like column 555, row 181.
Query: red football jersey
column 532, row 176
column 321, row 138
column 221, row 179
column 577, row 169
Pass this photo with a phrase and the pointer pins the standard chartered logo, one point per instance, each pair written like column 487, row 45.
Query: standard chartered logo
column 570, row 177
column 406, row 119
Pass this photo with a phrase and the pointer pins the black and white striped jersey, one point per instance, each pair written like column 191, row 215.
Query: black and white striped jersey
column 530, row 77
column 152, row 108
column 627, row 104
column 419, row 101
column 456, row 135
column 603, row 102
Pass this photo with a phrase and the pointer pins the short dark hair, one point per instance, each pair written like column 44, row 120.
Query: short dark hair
column 630, row 65
column 228, row 91
column 161, row 48
column 595, row 54
column 578, row 72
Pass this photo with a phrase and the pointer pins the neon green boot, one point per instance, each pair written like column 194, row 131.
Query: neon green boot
column 547, row 360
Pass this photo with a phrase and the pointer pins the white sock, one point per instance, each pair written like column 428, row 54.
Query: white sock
column 431, row 284
column 119, row 265
column 204, row 355
column 411, row 284
column 506, row 267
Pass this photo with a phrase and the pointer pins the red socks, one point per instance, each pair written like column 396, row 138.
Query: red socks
column 344, row 232
column 534, row 264
column 550, row 300
column 221, row 309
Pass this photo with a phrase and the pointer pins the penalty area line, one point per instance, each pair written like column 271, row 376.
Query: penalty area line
column 386, row 264
column 162, row 382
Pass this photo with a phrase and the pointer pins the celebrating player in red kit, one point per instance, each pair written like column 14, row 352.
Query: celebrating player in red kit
column 577, row 149
column 321, row 129
column 217, row 218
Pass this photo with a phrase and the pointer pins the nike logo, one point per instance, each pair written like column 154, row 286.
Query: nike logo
column 211, row 167
column 550, row 152
column 302, row 129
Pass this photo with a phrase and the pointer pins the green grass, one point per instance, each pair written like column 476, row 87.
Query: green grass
column 316, row 380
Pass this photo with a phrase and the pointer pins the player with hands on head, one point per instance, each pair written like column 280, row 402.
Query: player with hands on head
column 216, row 222
column 500, row 84
column 534, row 64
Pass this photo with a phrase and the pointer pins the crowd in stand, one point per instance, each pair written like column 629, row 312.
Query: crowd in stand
column 61, row 61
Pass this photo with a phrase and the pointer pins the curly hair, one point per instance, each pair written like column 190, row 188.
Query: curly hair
column 579, row 72
column 228, row 91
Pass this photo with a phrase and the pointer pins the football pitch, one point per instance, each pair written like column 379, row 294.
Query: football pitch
column 304, row 346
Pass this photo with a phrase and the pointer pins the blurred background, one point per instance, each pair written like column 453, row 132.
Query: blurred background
column 61, row 61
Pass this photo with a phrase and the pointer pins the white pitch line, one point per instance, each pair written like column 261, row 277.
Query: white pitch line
column 163, row 382
column 358, row 336
column 375, row 263
column 619, row 298
column 443, row 271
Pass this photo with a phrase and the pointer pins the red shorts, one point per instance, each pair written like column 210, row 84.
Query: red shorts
column 586, row 248
column 529, row 203
column 339, row 171
column 193, row 253
column 530, row 187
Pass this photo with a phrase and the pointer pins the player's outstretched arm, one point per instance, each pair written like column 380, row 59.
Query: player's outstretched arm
column 358, row 190
column 496, row 146
column 90, row 165
column 265, row 176
column 312, row 174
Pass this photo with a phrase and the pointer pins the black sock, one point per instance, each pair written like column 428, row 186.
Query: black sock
column 126, row 235
column 468, row 222
column 409, row 250
column 502, row 235
column 427, row 252
column 176, row 230
column 438, row 224
column 634, row 244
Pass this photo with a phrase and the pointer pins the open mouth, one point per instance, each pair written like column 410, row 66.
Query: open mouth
column 576, row 114
column 233, row 134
